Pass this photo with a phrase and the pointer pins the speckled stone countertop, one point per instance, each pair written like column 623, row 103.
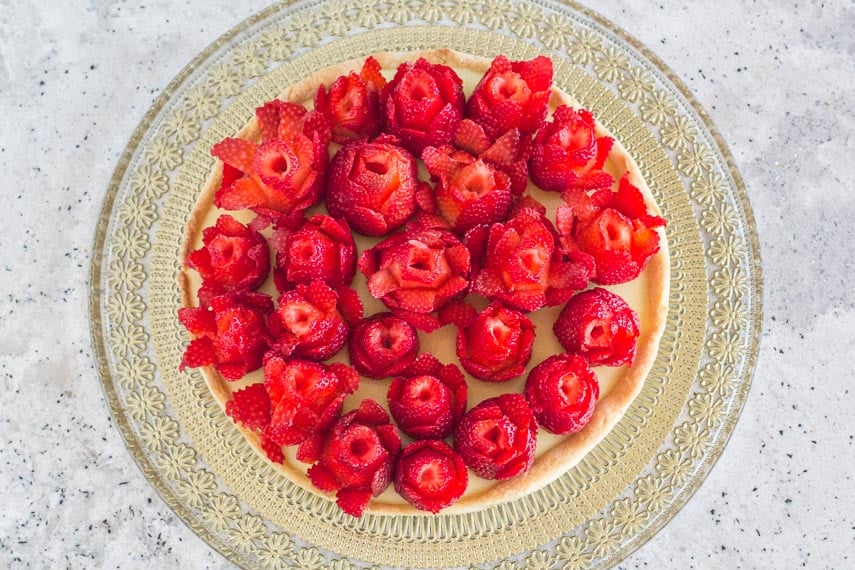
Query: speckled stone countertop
column 777, row 78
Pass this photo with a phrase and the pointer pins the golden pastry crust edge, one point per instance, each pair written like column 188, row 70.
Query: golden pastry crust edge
column 609, row 409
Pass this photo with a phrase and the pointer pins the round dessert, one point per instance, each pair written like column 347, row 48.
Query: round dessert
column 478, row 224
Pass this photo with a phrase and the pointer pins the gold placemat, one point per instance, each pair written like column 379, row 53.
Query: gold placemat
column 623, row 491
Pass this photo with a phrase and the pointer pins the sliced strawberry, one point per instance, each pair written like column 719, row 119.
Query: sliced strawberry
column 430, row 475
column 237, row 153
column 383, row 345
column 250, row 406
column 497, row 345
column 353, row 500
column 307, row 322
column 306, row 397
column 318, row 248
column 562, row 391
column 497, row 437
column 200, row 352
column 276, row 164
column 372, row 185
column 600, row 326
column 272, row 449
column 429, row 405
column 358, row 457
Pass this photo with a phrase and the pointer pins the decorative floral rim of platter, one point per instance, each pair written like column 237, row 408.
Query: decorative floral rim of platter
column 615, row 499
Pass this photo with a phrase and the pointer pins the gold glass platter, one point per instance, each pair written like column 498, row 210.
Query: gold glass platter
column 615, row 499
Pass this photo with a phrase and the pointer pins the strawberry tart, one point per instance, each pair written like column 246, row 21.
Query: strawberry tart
column 424, row 282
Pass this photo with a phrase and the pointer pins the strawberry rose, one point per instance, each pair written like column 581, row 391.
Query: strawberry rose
column 357, row 458
column 600, row 326
column 305, row 397
column 423, row 104
column 469, row 191
column 417, row 271
column 232, row 336
column 383, row 345
column 497, row 437
column 512, row 95
column 519, row 263
column 612, row 227
column 508, row 153
column 497, row 345
column 430, row 475
column 562, row 391
column 567, row 153
column 352, row 104
column 372, row 185
column 283, row 174
column 319, row 248
column 312, row 321
column 428, row 403
column 233, row 257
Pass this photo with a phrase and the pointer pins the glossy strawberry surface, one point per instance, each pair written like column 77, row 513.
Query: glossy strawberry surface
column 520, row 263
column 469, row 191
column 310, row 322
column 306, row 397
column 283, row 174
column 417, row 271
column 352, row 103
column 614, row 228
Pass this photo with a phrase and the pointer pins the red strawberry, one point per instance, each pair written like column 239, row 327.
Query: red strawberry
column 320, row 248
column 562, row 391
column 497, row 345
column 568, row 154
column 423, row 104
column 383, row 345
column 251, row 407
column 417, row 271
column 352, row 105
column 272, row 449
column 497, row 438
column 428, row 405
column 612, row 227
column 306, row 397
column 512, row 95
column 372, row 185
column 430, row 475
column 520, row 264
column 283, row 174
column 232, row 258
column 600, row 326
column 233, row 332
column 469, row 191
column 308, row 322
column 358, row 457
column 508, row 153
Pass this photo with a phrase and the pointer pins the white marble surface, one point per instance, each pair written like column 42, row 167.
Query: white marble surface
column 777, row 78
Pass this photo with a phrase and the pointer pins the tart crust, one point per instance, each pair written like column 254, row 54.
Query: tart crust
column 566, row 451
